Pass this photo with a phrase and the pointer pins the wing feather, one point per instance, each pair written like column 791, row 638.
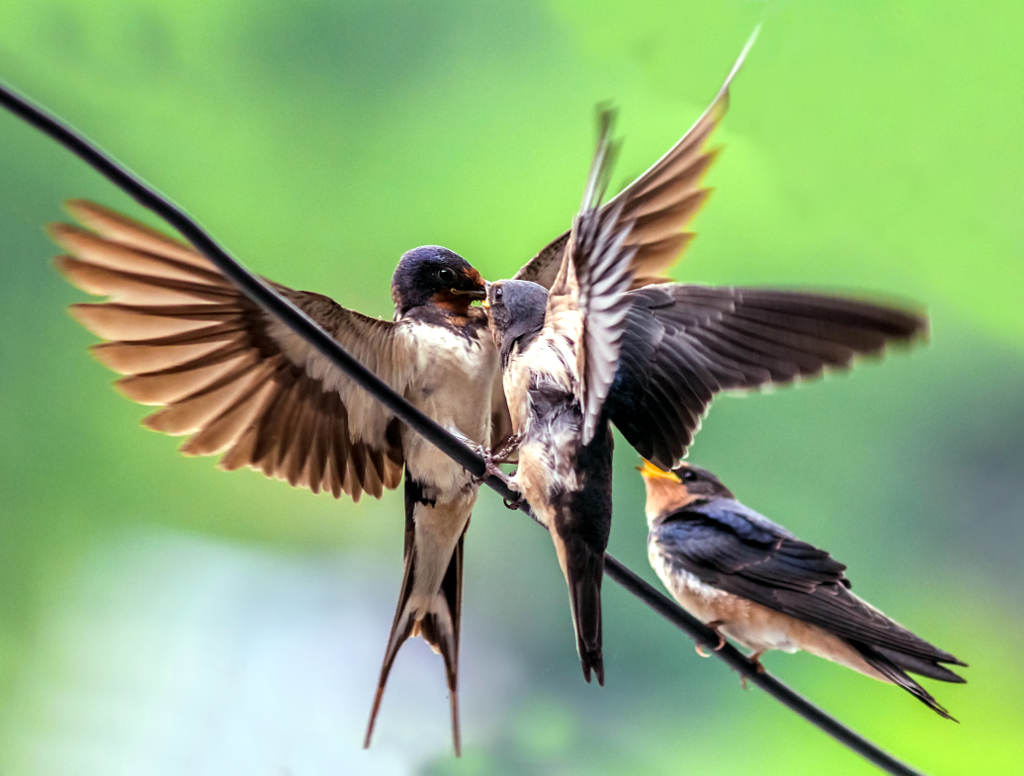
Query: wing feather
column 665, row 198
column 730, row 547
column 682, row 344
column 587, row 303
column 236, row 381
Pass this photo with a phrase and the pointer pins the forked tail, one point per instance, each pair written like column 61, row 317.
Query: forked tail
column 893, row 666
column 439, row 627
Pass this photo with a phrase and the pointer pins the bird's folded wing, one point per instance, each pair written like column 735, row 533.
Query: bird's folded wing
column 724, row 549
column 682, row 344
column 588, row 303
column 234, row 380
column 662, row 201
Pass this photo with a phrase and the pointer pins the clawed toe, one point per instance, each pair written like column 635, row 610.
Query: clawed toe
column 513, row 503
column 716, row 625
column 753, row 657
column 505, row 449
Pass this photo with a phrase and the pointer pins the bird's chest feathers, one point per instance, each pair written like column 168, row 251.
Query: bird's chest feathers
column 703, row 601
column 453, row 384
column 544, row 372
column 454, row 374
column 546, row 413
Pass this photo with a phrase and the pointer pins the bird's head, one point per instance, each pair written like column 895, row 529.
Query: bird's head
column 669, row 491
column 515, row 310
column 432, row 275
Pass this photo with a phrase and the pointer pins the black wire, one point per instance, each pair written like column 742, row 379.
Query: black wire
column 276, row 305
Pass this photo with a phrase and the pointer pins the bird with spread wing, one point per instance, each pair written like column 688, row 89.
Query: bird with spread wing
column 610, row 342
column 240, row 384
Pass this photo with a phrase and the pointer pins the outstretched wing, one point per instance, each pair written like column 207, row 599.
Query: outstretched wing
column 588, row 302
column 661, row 202
column 233, row 379
column 682, row 344
column 721, row 546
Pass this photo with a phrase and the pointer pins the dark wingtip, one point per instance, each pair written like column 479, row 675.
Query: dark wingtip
column 926, row 698
column 896, row 673
column 937, row 707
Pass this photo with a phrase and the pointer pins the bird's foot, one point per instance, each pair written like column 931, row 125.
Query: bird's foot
column 517, row 501
column 491, row 460
column 714, row 625
column 506, row 449
column 753, row 657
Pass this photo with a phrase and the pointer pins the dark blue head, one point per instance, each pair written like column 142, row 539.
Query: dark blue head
column 432, row 275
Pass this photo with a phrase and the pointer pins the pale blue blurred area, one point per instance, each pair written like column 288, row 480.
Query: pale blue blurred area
column 168, row 653
column 159, row 616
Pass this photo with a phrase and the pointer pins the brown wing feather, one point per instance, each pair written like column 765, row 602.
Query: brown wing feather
column 663, row 201
column 588, row 297
column 235, row 381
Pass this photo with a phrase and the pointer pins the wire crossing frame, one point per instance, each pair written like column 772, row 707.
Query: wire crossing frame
column 274, row 304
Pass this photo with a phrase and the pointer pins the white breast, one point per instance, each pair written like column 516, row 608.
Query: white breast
column 453, row 384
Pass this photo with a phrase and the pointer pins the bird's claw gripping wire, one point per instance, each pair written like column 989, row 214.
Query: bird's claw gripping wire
column 713, row 625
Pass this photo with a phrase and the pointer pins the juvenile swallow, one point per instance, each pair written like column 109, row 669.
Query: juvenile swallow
column 558, row 353
column 240, row 383
column 753, row 581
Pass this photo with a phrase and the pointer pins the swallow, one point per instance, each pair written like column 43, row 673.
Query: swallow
column 183, row 336
column 243, row 385
column 239, row 383
column 202, row 341
column 596, row 350
column 751, row 580
column 558, row 353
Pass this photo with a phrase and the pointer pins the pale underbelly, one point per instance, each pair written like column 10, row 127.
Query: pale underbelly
column 754, row 626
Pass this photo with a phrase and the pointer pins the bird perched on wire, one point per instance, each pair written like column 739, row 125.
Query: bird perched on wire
column 242, row 384
column 649, row 360
column 559, row 351
column 753, row 581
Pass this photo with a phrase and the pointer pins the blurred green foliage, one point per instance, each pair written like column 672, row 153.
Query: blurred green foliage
column 870, row 146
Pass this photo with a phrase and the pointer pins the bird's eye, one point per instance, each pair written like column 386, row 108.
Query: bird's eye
column 688, row 475
column 446, row 275
column 499, row 292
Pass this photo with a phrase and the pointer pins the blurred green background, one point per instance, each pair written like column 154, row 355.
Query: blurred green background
column 160, row 617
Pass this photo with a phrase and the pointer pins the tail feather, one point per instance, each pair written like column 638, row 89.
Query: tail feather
column 918, row 665
column 894, row 672
column 401, row 628
column 583, row 570
column 439, row 627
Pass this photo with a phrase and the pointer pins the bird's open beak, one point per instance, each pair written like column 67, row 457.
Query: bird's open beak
column 652, row 471
column 486, row 304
